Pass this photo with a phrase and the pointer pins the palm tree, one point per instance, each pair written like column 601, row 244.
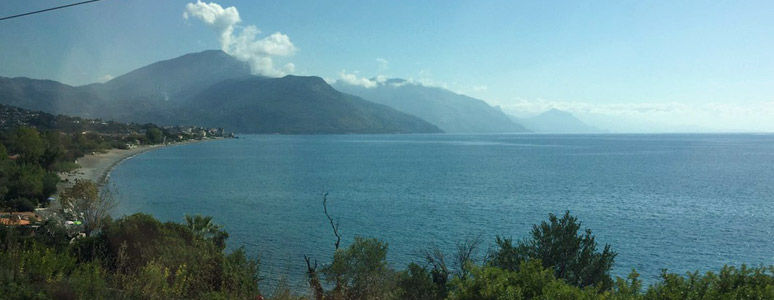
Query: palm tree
column 203, row 227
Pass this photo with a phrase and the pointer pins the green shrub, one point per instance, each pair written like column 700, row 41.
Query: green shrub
column 530, row 281
column 361, row 271
column 416, row 283
column 558, row 244
column 22, row 204
column 730, row 283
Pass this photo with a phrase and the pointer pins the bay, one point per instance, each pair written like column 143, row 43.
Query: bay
column 683, row 202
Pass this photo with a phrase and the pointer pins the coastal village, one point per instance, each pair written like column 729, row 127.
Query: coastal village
column 109, row 143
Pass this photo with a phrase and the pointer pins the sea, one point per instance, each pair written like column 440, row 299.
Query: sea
column 681, row 202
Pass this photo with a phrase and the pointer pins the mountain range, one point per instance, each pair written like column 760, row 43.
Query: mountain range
column 556, row 121
column 452, row 112
column 214, row 89
column 211, row 88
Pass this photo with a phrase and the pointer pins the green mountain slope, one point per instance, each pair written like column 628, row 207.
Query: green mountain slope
column 295, row 104
column 48, row 96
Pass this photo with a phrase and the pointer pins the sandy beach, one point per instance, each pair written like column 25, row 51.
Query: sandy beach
column 96, row 167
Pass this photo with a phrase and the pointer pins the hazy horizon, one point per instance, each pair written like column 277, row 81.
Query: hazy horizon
column 624, row 67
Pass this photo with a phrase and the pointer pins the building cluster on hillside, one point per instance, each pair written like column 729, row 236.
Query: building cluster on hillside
column 11, row 117
column 132, row 133
column 196, row 132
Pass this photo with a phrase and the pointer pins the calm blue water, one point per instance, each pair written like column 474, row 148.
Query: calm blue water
column 682, row 202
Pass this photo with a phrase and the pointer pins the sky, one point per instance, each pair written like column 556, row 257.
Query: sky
column 620, row 65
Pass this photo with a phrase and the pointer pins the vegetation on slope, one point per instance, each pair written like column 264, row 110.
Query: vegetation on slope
column 138, row 257
column 34, row 146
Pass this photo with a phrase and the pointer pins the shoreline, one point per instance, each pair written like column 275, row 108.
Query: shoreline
column 97, row 167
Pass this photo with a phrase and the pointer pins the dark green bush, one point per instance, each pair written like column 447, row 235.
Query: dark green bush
column 558, row 244
column 22, row 204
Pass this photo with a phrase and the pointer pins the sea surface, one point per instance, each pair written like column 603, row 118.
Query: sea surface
column 683, row 202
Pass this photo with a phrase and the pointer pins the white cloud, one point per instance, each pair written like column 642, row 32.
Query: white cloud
column 425, row 81
column 381, row 79
column 221, row 19
column 353, row 79
column 243, row 42
column 105, row 78
column 479, row 88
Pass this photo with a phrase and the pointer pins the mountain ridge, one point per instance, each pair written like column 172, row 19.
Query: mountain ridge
column 557, row 121
column 165, row 92
column 329, row 112
column 452, row 112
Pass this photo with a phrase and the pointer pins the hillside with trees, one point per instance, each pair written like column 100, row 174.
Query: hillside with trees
column 35, row 146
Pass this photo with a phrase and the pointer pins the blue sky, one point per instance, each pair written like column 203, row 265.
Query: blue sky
column 704, row 65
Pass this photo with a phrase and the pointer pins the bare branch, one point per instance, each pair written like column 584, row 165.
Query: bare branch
column 314, row 281
column 465, row 252
column 434, row 257
column 334, row 225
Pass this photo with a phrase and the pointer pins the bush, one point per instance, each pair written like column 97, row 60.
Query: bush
column 730, row 283
column 22, row 204
column 137, row 257
column 557, row 243
column 361, row 271
column 530, row 281
column 416, row 283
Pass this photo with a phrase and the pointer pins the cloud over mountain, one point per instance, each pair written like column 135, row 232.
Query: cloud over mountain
column 244, row 42
column 353, row 79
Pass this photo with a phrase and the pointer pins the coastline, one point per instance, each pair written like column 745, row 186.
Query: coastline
column 97, row 167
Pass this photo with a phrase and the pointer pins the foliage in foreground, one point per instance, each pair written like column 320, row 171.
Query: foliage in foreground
column 558, row 261
column 136, row 257
column 559, row 246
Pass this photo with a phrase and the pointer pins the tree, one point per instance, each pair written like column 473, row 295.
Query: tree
column 362, row 271
column 89, row 203
column 154, row 135
column 27, row 181
column 5, row 173
column 203, row 227
column 416, row 283
column 27, row 143
column 5, row 168
column 53, row 150
column 560, row 247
